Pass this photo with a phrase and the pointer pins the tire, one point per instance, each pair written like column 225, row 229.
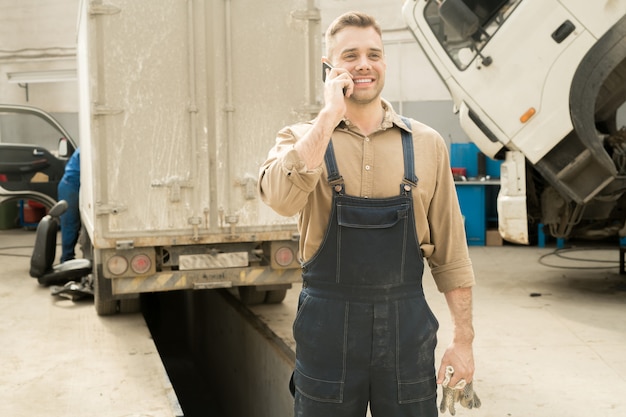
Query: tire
column 103, row 299
column 275, row 296
column 251, row 295
column 84, row 243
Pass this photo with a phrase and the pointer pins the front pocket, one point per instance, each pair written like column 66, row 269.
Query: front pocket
column 416, row 391
column 320, row 332
column 317, row 389
column 416, row 335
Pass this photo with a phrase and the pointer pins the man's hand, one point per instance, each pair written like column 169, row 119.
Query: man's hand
column 337, row 87
column 459, row 356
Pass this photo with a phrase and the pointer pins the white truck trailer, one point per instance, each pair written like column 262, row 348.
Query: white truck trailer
column 180, row 102
column 539, row 84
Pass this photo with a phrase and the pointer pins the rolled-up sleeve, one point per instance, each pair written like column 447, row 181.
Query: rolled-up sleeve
column 284, row 181
column 449, row 260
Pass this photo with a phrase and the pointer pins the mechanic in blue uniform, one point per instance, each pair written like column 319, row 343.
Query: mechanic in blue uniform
column 68, row 190
column 375, row 196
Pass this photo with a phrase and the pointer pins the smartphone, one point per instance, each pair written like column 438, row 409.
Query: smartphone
column 325, row 66
column 328, row 66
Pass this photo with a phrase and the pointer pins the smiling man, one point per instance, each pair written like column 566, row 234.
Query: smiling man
column 375, row 197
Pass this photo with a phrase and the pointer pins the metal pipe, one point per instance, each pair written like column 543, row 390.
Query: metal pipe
column 229, row 107
column 312, row 57
column 193, row 177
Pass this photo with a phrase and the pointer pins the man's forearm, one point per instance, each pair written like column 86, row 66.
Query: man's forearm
column 460, row 304
column 312, row 146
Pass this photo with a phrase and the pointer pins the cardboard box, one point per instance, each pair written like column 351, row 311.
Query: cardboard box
column 493, row 238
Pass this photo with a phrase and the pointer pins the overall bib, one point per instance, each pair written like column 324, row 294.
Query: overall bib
column 364, row 332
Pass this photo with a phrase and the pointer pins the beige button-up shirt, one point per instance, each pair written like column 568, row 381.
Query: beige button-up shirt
column 373, row 167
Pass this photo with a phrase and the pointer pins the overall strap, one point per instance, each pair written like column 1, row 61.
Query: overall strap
column 409, row 165
column 334, row 178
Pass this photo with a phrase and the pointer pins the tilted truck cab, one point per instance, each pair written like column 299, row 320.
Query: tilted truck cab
column 538, row 84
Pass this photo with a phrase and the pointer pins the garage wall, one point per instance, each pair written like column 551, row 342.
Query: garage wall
column 38, row 37
column 38, row 45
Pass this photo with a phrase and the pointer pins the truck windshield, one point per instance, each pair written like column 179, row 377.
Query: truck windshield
column 461, row 47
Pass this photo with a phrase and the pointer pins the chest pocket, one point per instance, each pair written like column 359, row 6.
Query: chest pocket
column 371, row 217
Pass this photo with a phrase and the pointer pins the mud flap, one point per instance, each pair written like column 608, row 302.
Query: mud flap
column 512, row 211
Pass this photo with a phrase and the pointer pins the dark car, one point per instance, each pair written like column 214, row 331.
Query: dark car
column 34, row 148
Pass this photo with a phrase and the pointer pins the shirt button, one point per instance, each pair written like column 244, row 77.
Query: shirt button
column 367, row 139
column 367, row 167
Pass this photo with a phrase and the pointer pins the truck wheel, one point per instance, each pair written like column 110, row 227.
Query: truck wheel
column 275, row 296
column 251, row 295
column 103, row 299
column 84, row 243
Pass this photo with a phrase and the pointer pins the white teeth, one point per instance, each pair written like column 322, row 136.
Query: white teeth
column 362, row 81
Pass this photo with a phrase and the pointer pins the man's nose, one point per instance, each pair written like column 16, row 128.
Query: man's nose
column 363, row 64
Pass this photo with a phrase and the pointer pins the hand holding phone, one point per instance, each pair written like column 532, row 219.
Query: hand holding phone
column 328, row 66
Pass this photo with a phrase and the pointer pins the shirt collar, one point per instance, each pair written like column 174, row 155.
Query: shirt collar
column 390, row 119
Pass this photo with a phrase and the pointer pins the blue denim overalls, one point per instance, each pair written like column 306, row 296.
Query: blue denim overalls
column 364, row 332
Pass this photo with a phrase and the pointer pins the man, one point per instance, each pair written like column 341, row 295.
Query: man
column 68, row 190
column 374, row 194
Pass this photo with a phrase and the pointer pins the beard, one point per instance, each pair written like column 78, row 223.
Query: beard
column 366, row 97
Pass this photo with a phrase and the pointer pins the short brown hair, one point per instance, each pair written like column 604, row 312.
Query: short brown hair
column 355, row 19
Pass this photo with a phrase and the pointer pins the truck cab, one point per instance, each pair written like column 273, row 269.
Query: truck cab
column 538, row 84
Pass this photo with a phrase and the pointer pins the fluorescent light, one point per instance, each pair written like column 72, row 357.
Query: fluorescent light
column 50, row 76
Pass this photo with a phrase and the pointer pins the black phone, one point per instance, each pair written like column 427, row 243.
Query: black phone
column 325, row 66
column 328, row 66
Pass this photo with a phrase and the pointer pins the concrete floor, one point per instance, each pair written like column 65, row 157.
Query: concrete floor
column 59, row 358
column 549, row 341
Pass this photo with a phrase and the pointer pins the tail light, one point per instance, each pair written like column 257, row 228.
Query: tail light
column 129, row 263
column 117, row 265
column 284, row 256
column 140, row 264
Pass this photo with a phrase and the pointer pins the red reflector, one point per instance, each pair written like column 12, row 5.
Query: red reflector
column 284, row 256
column 140, row 264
